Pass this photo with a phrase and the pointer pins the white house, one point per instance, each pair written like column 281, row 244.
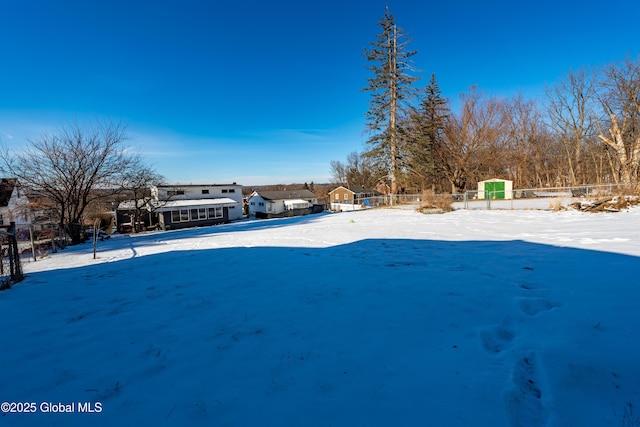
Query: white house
column 274, row 204
column 182, row 206
column 199, row 192
column 189, row 205
column 13, row 203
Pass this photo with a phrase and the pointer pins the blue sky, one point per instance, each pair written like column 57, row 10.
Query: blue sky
column 258, row 92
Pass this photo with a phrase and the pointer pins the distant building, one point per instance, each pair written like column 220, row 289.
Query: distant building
column 354, row 198
column 13, row 203
column 277, row 204
column 354, row 194
column 173, row 207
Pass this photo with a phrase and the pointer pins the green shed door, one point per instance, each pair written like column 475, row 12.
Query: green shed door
column 494, row 190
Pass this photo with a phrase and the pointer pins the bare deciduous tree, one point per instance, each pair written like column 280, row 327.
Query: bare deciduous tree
column 137, row 183
column 620, row 100
column 71, row 169
column 475, row 129
column 338, row 172
column 571, row 113
column 358, row 170
column 527, row 142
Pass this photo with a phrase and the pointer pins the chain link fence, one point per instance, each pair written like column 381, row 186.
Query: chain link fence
column 40, row 239
column 547, row 198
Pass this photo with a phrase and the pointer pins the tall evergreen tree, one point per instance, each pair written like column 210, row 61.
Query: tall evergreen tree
column 391, row 86
column 425, row 133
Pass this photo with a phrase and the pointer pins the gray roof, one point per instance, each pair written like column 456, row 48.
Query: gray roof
column 286, row 195
column 172, row 186
column 359, row 189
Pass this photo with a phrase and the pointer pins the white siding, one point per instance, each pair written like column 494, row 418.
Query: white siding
column 257, row 204
column 204, row 191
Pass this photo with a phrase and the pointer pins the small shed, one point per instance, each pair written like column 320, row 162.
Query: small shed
column 279, row 204
column 495, row 189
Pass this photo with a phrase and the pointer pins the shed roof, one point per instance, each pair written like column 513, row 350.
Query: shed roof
column 286, row 195
column 357, row 189
column 496, row 180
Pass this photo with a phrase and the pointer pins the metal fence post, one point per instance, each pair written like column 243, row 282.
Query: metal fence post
column 15, row 269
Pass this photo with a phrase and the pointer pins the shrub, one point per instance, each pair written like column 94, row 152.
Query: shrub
column 106, row 221
column 435, row 202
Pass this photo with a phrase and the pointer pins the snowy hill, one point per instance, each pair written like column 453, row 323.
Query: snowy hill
column 374, row 318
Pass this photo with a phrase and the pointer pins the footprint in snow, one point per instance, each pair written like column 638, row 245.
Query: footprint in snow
column 524, row 402
column 533, row 306
column 496, row 339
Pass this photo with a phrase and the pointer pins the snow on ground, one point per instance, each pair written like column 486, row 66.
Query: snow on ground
column 381, row 317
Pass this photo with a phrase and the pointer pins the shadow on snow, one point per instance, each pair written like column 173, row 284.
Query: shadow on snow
column 381, row 319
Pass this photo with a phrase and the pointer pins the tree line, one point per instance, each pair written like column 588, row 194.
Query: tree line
column 586, row 130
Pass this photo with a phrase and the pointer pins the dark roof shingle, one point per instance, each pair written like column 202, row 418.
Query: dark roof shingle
column 287, row 195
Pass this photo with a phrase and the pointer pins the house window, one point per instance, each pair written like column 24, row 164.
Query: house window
column 346, row 196
column 337, row 196
column 224, row 190
column 228, row 190
column 205, row 191
column 202, row 213
column 180, row 216
column 215, row 213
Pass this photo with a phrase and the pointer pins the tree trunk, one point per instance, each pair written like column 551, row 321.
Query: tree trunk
column 627, row 156
column 393, row 111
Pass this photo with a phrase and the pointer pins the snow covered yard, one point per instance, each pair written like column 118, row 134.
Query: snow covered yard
column 381, row 317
